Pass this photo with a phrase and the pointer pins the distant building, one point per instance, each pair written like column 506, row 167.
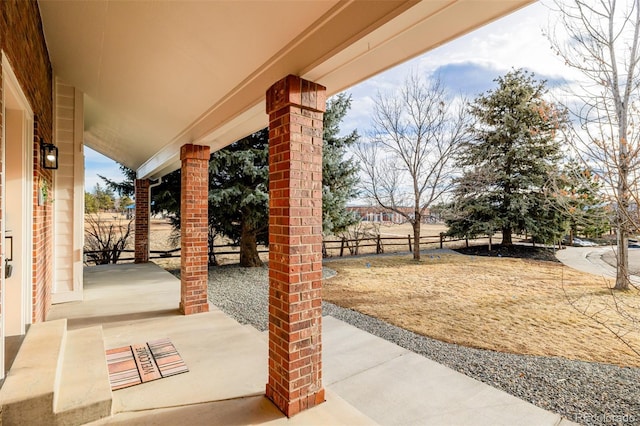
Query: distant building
column 378, row 214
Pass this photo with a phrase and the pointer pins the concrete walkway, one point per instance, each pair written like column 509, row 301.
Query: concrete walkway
column 395, row 386
column 587, row 259
column 368, row 379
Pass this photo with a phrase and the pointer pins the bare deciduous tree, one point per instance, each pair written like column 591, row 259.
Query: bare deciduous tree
column 406, row 161
column 602, row 45
column 358, row 233
column 104, row 240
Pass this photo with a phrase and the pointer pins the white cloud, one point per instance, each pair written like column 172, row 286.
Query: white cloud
column 515, row 41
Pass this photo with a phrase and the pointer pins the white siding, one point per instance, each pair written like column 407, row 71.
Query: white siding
column 68, row 201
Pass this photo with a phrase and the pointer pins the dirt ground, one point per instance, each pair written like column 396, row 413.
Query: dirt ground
column 510, row 305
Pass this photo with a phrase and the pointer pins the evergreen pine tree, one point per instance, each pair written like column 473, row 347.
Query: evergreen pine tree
column 238, row 186
column 125, row 187
column 339, row 174
column 508, row 163
column 239, row 194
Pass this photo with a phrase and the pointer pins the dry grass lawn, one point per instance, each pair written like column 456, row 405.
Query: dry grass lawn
column 509, row 305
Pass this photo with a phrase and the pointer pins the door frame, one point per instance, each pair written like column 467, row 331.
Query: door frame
column 10, row 83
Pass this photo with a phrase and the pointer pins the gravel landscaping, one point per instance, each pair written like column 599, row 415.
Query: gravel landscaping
column 587, row 393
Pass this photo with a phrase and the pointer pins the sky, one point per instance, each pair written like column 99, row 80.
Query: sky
column 467, row 65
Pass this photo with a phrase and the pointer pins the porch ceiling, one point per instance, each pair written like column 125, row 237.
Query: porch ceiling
column 159, row 74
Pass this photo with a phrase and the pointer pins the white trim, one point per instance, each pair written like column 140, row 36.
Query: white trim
column 3, row 139
column 26, row 233
column 27, row 208
column 78, row 194
column 10, row 82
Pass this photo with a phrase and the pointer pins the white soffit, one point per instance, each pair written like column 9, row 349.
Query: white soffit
column 159, row 74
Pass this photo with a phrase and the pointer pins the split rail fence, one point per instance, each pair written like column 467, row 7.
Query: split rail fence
column 376, row 244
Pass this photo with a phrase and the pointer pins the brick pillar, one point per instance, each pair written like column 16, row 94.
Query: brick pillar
column 142, row 221
column 193, row 229
column 295, row 109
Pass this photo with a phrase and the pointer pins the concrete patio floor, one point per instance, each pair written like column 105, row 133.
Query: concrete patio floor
column 367, row 379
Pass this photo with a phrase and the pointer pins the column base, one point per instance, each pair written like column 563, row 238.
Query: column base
column 291, row 408
column 194, row 309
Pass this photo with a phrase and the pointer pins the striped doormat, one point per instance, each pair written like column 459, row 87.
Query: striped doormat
column 135, row 364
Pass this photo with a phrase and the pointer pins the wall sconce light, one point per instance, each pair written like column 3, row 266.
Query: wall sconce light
column 49, row 155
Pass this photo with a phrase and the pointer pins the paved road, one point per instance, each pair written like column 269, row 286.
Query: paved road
column 598, row 260
column 609, row 257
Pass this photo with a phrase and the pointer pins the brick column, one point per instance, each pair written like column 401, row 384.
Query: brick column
column 193, row 229
column 142, row 221
column 295, row 109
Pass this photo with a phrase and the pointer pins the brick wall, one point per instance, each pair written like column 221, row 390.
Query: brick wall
column 295, row 108
column 22, row 40
column 142, row 221
column 42, row 235
column 193, row 229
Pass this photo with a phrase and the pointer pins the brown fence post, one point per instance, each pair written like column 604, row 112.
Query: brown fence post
column 342, row 246
column 441, row 239
column 489, row 242
column 378, row 245
column 410, row 248
column 466, row 240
